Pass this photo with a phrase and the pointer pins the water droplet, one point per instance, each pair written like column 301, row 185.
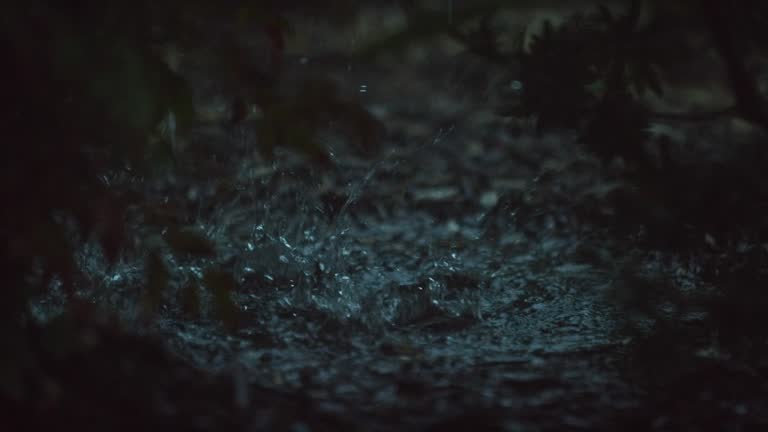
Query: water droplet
column 284, row 259
column 285, row 242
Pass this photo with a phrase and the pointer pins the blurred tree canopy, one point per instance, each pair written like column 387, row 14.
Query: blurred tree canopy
column 595, row 69
column 88, row 91
column 92, row 91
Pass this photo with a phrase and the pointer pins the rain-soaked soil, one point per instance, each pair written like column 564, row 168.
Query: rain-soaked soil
column 447, row 280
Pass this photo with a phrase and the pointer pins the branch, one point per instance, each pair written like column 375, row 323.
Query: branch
column 696, row 116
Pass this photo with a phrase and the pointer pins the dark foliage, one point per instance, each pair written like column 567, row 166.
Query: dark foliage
column 90, row 97
column 89, row 94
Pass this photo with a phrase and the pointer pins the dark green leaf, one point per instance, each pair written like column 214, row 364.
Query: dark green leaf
column 157, row 280
column 217, row 280
column 189, row 241
column 190, row 300
column 222, row 284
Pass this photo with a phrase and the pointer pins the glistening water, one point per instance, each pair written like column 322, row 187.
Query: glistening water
column 418, row 286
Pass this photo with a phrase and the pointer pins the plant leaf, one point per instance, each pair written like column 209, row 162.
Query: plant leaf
column 189, row 241
column 222, row 284
column 157, row 280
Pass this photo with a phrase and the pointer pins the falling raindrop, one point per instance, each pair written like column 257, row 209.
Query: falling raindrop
column 516, row 86
column 285, row 242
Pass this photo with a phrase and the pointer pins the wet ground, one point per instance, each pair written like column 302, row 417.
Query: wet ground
column 449, row 279
column 406, row 289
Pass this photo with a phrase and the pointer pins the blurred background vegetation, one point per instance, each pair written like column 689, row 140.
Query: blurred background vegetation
column 96, row 88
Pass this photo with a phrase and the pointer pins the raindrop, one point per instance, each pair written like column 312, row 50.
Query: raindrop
column 197, row 271
column 285, row 242
column 258, row 232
